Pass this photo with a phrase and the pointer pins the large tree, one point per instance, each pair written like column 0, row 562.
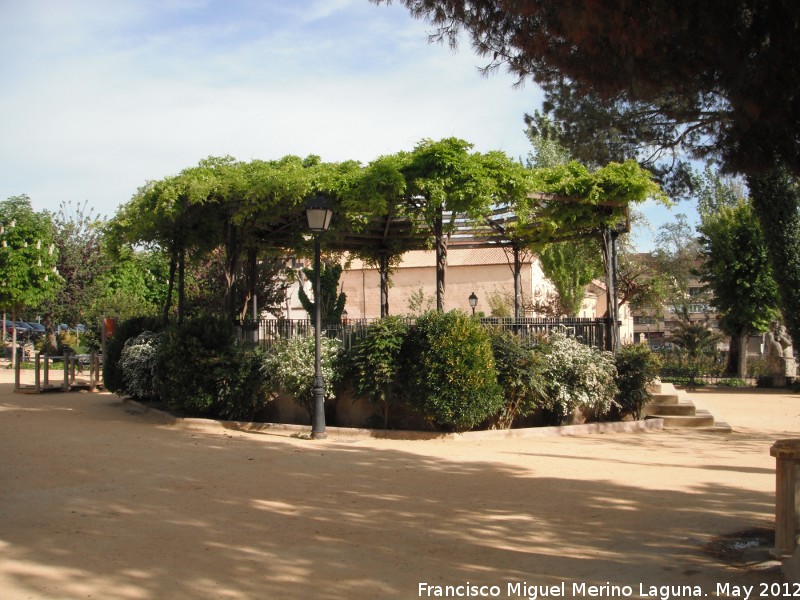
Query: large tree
column 28, row 273
column 737, row 270
column 81, row 264
column 724, row 67
column 712, row 79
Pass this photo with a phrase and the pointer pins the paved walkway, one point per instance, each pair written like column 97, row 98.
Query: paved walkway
column 100, row 500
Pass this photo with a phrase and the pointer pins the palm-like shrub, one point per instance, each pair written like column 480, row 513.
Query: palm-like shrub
column 696, row 340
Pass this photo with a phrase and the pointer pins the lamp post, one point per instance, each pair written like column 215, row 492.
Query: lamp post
column 473, row 302
column 319, row 216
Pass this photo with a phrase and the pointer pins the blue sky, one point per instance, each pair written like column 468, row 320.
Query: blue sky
column 100, row 97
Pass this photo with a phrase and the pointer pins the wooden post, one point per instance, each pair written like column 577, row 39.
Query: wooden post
column 37, row 382
column 46, row 370
column 518, row 310
column 16, row 371
column 92, row 377
column 787, row 495
column 66, row 371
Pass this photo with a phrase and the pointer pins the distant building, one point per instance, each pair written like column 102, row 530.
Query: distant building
column 486, row 272
column 656, row 329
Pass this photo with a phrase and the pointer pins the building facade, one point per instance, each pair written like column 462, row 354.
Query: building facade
column 485, row 272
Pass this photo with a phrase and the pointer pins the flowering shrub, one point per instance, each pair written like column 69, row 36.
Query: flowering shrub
column 138, row 365
column 112, row 372
column 578, row 376
column 289, row 368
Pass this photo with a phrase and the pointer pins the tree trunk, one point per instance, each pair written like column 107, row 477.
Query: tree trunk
column 231, row 267
column 741, row 367
column 181, row 284
column 173, row 264
column 251, row 278
column 609, row 248
column 383, row 270
column 517, row 284
column 441, row 261
column 13, row 338
column 732, row 364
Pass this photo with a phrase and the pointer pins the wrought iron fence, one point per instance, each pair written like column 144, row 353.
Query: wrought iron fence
column 591, row 332
column 267, row 332
column 707, row 369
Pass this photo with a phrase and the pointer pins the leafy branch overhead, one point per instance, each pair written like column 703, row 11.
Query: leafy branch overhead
column 574, row 200
column 440, row 191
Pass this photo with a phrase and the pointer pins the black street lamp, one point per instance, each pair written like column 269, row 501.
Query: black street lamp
column 319, row 216
column 473, row 302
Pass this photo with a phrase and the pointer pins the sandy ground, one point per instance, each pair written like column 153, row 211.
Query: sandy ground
column 99, row 499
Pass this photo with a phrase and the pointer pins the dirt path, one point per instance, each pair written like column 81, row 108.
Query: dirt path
column 100, row 500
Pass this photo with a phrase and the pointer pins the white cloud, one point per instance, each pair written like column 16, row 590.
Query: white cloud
column 100, row 97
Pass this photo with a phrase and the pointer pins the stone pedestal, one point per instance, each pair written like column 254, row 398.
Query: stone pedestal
column 787, row 495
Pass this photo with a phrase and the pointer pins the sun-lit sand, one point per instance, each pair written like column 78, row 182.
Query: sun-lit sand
column 101, row 499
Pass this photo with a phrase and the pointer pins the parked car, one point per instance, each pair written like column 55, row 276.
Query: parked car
column 18, row 325
column 38, row 328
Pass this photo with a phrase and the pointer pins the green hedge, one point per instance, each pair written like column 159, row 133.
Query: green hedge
column 202, row 370
column 448, row 371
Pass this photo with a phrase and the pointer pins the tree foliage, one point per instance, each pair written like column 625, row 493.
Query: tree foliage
column 28, row 255
column 677, row 256
column 376, row 361
column 729, row 76
column 736, row 266
column 82, row 264
column 571, row 266
column 595, row 198
column 776, row 199
column 448, row 370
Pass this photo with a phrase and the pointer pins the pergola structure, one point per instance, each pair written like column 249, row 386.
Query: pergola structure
column 382, row 239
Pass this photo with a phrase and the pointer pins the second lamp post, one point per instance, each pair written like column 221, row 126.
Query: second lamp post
column 319, row 216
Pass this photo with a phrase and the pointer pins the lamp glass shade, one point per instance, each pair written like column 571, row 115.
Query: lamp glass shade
column 473, row 300
column 318, row 214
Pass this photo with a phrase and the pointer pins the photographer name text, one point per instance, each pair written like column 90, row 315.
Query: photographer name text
column 522, row 589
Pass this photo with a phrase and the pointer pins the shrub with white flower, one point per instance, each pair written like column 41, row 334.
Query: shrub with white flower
column 289, row 368
column 578, row 376
column 138, row 362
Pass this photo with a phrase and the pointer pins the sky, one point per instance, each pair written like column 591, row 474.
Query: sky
column 100, row 97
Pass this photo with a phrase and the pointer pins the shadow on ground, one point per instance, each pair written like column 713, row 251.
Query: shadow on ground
column 99, row 502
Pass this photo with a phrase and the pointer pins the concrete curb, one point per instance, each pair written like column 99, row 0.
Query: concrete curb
column 352, row 433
